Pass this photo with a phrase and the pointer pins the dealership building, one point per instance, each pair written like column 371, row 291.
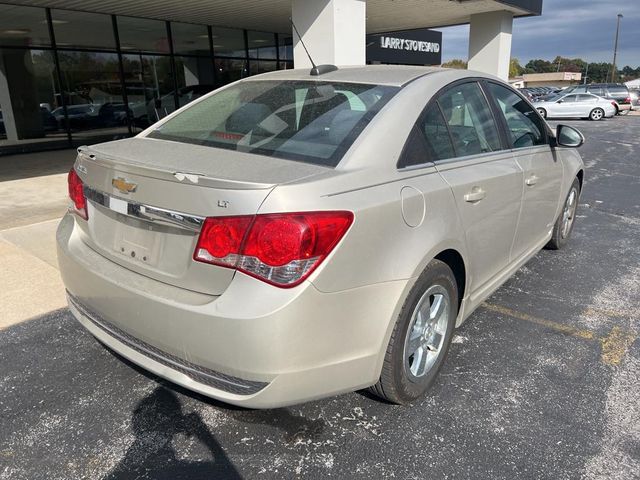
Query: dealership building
column 76, row 72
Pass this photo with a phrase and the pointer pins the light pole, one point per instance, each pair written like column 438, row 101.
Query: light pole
column 615, row 50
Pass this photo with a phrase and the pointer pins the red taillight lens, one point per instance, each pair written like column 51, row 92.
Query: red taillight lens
column 76, row 194
column 281, row 249
column 221, row 239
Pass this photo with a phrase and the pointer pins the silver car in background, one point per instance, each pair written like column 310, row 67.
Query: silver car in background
column 293, row 236
column 577, row 105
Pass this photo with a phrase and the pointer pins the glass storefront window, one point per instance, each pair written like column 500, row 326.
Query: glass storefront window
column 190, row 39
column 150, row 89
column 229, row 70
column 141, row 34
column 82, row 30
column 285, row 45
column 23, row 26
column 228, row 42
column 32, row 96
column 93, row 94
column 262, row 66
column 261, row 45
column 195, row 78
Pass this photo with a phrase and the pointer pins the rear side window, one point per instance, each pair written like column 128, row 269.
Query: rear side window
column 524, row 125
column 314, row 122
column 618, row 90
column 570, row 98
column 586, row 98
column 436, row 134
column 471, row 125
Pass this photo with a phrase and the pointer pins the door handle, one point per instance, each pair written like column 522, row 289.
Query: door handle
column 475, row 195
column 532, row 180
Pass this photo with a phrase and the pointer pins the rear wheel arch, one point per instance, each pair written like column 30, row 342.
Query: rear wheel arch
column 580, row 176
column 455, row 262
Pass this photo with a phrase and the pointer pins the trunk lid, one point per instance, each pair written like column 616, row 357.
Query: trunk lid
column 146, row 197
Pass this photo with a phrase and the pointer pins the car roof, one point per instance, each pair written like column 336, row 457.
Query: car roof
column 392, row 75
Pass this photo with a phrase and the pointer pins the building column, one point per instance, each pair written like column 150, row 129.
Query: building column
column 5, row 103
column 490, row 43
column 332, row 30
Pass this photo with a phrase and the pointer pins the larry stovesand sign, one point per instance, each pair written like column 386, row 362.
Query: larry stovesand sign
column 410, row 47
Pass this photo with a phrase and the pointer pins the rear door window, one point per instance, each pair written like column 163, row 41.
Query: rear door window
column 468, row 116
column 309, row 121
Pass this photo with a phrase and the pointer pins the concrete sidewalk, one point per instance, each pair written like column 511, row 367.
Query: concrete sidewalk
column 33, row 198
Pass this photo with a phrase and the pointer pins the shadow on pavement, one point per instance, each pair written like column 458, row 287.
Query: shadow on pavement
column 157, row 421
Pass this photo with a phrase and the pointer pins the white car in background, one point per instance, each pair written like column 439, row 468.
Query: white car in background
column 577, row 105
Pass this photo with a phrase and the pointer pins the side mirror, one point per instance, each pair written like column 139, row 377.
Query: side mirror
column 567, row 136
column 560, row 101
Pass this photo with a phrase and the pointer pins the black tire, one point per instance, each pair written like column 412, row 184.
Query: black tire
column 561, row 235
column 542, row 112
column 396, row 384
column 596, row 114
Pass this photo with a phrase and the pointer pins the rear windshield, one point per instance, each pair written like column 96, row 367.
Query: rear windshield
column 313, row 122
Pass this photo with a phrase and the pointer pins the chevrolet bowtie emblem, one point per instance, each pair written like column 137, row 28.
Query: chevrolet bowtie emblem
column 124, row 186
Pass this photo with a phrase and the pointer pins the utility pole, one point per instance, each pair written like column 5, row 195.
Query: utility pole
column 615, row 50
column 586, row 73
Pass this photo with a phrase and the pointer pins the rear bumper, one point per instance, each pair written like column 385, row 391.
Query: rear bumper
column 256, row 345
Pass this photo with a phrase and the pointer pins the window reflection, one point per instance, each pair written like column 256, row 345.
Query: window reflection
column 261, row 45
column 141, row 34
column 93, row 94
column 83, row 30
column 27, row 106
column 229, row 70
column 23, row 26
column 262, row 66
column 150, row 89
column 285, row 47
column 228, row 42
column 190, row 39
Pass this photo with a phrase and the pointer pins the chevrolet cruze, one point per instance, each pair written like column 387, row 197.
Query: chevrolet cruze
column 293, row 236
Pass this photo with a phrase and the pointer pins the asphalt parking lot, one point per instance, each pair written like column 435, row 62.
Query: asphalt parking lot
column 541, row 383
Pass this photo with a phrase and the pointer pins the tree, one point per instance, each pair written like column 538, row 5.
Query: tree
column 515, row 69
column 539, row 66
column 455, row 63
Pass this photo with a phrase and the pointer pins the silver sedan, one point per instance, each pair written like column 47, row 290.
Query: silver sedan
column 293, row 236
column 577, row 105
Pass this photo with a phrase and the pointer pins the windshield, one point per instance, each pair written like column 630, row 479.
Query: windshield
column 314, row 122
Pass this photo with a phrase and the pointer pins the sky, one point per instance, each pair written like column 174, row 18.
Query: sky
column 570, row 28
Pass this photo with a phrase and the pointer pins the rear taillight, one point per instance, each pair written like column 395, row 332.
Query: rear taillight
column 281, row 249
column 76, row 194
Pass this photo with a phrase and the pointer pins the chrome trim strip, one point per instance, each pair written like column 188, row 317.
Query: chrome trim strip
column 221, row 381
column 145, row 212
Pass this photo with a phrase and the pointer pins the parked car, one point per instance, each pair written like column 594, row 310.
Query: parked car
column 635, row 99
column 293, row 236
column 49, row 123
column 617, row 92
column 574, row 105
column 80, row 117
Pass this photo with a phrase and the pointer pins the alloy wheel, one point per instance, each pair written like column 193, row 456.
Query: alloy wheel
column 569, row 212
column 426, row 332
